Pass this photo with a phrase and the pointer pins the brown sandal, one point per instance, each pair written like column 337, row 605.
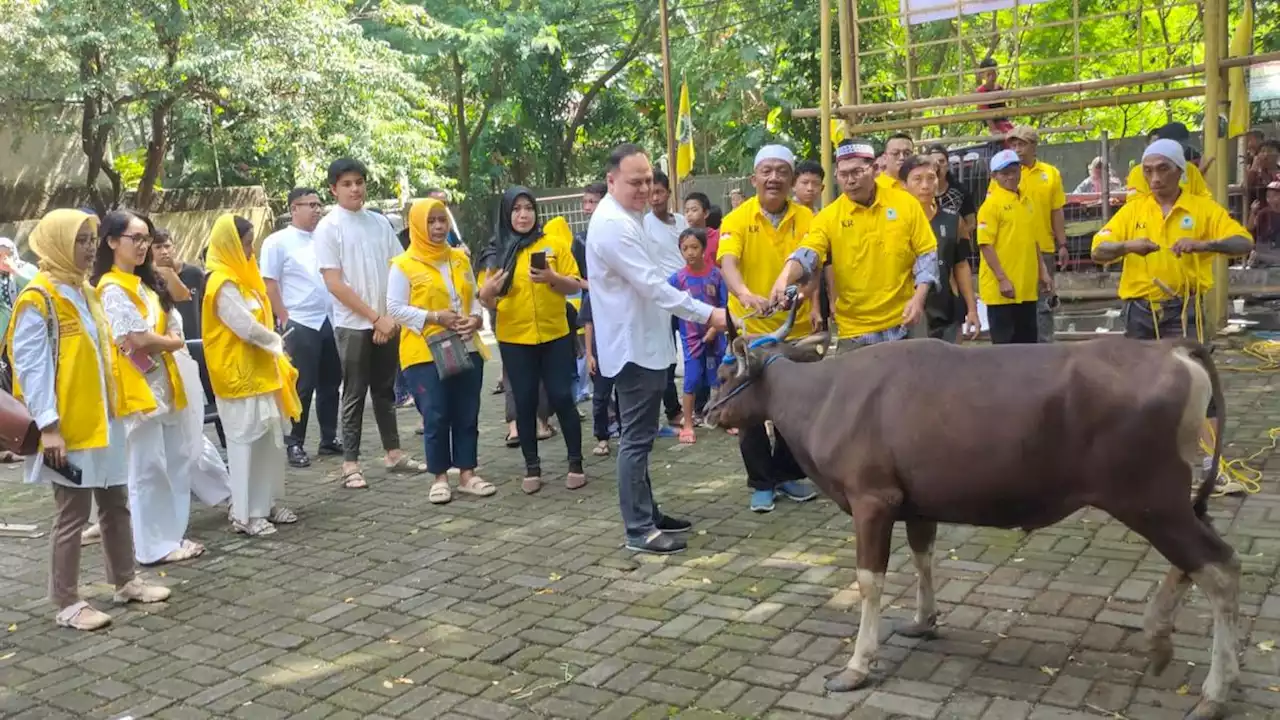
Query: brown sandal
column 354, row 480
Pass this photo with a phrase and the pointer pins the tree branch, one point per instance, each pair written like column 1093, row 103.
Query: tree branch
column 629, row 53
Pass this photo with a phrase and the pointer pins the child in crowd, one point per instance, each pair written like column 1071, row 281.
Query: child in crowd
column 697, row 211
column 703, row 345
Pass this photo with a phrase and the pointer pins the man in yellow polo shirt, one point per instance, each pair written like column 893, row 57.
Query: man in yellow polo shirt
column 755, row 241
column 1167, row 239
column 883, row 254
column 1041, row 183
column 1013, row 268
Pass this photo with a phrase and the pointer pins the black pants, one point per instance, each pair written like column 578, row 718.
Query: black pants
column 602, row 397
column 1013, row 323
column 367, row 369
column 671, row 396
column 550, row 363
column 315, row 354
column 767, row 466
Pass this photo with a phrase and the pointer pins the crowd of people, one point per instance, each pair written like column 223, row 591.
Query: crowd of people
column 336, row 308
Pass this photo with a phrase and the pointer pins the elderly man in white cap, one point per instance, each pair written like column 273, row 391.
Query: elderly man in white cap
column 755, row 241
column 1167, row 239
column 631, row 306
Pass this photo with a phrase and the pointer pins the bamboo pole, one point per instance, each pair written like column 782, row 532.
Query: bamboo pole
column 856, row 85
column 847, row 51
column 672, row 169
column 1033, row 110
column 1214, row 43
column 947, row 140
column 824, row 20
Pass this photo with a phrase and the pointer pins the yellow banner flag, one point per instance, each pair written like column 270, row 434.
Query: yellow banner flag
column 684, row 135
column 1237, row 93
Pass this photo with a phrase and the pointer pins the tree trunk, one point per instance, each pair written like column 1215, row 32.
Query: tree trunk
column 460, row 124
column 157, row 146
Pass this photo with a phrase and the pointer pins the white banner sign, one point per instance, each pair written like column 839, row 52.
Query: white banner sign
column 915, row 12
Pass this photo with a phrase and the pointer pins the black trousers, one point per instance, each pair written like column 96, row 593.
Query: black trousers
column 551, row 363
column 602, row 398
column 315, row 354
column 1013, row 323
column 768, row 465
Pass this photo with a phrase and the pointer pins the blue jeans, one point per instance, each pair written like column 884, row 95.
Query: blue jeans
column 450, row 414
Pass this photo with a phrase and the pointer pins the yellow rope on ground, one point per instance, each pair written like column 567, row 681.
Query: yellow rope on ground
column 1267, row 353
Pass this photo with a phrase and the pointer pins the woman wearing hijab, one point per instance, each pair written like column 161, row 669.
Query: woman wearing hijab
column 145, row 332
column 529, row 273
column 61, row 358
column 253, row 382
column 431, row 293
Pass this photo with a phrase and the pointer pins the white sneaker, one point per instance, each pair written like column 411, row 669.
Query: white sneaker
column 138, row 591
column 82, row 616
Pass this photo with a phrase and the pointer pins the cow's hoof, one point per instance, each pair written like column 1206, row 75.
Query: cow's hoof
column 1207, row 710
column 1160, row 653
column 846, row 680
column 926, row 629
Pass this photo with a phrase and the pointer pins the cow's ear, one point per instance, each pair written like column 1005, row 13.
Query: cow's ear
column 811, row 348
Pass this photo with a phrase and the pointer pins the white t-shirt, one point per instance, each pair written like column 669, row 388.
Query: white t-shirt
column 361, row 245
column 667, row 235
column 289, row 258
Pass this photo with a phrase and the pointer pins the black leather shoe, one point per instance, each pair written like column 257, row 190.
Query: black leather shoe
column 666, row 523
column 657, row 543
column 298, row 457
column 329, row 448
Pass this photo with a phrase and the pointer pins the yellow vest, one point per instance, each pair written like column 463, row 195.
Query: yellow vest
column 532, row 313
column 133, row 395
column 427, row 291
column 82, row 414
column 237, row 369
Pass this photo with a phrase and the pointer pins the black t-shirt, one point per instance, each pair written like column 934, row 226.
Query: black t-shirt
column 957, row 199
column 943, row 306
column 194, row 278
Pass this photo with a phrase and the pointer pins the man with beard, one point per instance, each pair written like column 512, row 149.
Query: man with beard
column 755, row 241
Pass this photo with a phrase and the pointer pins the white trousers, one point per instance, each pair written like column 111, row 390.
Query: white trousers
column 159, row 488
column 257, row 475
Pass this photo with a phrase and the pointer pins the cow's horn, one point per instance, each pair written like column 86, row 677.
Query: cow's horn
column 739, row 348
column 730, row 331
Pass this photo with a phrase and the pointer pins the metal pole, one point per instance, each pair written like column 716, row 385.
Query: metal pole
column 1214, row 38
column 1104, row 145
column 672, row 170
column 824, row 18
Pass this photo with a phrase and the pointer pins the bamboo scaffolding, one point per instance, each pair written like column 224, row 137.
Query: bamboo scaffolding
column 824, row 18
column 1042, row 91
column 1215, row 42
column 672, row 167
column 945, row 140
column 1034, row 110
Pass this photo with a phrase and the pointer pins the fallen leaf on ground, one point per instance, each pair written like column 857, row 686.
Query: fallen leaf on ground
column 348, row 600
column 1267, row 645
column 392, row 641
column 706, row 581
column 1272, row 688
column 544, row 591
column 387, row 684
column 553, row 577
column 8, row 655
column 404, row 681
column 1048, row 670
column 13, row 627
column 1183, row 689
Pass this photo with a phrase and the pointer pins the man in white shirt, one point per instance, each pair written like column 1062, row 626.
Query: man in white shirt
column 632, row 304
column 302, row 306
column 354, row 248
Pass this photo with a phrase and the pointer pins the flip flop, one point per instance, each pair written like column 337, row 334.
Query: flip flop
column 354, row 480
column 601, row 449
column 513, row 441
column 478, row 487
column 688, row 437
column 406, row 465
column 440, row 493
column 282, row 516
column 186, row 551
column 550, row 433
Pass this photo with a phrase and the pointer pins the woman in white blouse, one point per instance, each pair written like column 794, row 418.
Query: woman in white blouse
column 431, row 293
column 61, row 356
column 253, row 381
column 150, row 394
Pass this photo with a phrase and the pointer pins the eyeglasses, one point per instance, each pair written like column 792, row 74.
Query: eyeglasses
column 853, row 173
column 308, row 205
column 141, row 238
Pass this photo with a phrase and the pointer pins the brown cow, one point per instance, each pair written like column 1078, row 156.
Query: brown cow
column 1013, row 437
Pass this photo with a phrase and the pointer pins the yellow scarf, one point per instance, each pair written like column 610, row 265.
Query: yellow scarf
column 54, row 242
column 421, row 247
column 226, row 256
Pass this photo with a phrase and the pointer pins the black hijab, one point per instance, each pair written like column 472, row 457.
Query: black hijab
column 505, row 247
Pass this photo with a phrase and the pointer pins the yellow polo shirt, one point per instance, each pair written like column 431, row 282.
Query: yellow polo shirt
column 1042, row 183
column 873, row 255
column 1192, row 216
column 1192, row 182
column 885, row 181
column 1007, row 222
column 762, row 250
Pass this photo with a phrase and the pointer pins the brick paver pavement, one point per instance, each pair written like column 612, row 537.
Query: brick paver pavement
column 378, row 604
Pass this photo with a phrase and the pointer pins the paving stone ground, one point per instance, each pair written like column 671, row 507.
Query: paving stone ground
column 378, row 604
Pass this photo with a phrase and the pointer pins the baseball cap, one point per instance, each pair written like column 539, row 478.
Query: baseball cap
column 1003, row 159
column 1025, row 133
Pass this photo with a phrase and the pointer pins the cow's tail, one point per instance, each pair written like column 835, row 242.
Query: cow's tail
column 1200, row 353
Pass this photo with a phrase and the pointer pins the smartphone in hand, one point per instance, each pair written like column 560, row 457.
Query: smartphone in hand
column 538, row 260
column 70, row 471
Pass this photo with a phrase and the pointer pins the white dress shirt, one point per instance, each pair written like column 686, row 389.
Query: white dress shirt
column 361, row 245
column 33, row 364
column 289, row 257
column 668, row 237
column 631, row 300
column 415, row 318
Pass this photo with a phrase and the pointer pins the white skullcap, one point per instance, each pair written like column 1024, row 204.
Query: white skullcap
column 8, row 244
column 775, row 152
column 1170, row 150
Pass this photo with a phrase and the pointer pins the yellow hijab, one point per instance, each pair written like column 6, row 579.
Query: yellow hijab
column 420, row 245
column 226, row 256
